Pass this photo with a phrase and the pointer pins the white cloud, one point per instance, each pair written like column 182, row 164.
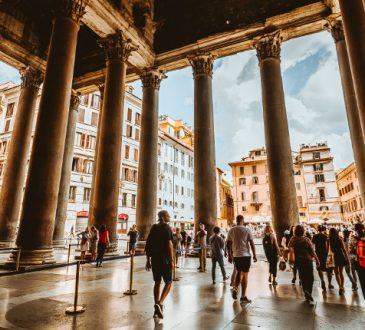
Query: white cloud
column 8, row 73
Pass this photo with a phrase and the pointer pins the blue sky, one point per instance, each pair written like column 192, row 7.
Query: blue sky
column 313, row 92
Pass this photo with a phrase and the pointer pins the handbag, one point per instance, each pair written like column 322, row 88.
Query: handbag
column 291, row 256
column 282, row 264
column 330, row 261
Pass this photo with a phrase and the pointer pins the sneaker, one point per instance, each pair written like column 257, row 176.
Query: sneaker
column 330, row 286
column 245, row 300
column 293, row 280
column 341, row 292
column 323, row 286
column 234, row 293
column 274, row 283
column 199, row 268
column 213, row 282
column 155, row 314
column 308, row 296
column 159, row 310
column 225, row 278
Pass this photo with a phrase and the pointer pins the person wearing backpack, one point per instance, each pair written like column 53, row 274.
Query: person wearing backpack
column 272, row 251
column 357, row 247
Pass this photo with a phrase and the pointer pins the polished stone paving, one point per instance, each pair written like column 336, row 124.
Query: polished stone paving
column 39, row 300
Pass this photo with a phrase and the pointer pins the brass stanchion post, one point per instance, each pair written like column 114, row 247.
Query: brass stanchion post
column 175, row 278
column 131, row 292
column 69, row 253
column 76, row 309
column 17, row 260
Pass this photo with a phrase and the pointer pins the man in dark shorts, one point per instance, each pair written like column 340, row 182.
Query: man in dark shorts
column 239, row 241
column 159, row 251
column 320, row 246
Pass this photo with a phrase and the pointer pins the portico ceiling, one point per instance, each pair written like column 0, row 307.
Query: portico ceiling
column 166, row 31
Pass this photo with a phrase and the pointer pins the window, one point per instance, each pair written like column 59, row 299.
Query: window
column 126, row 152
column 324, row 208
column 165, row 202
column 159, row 149
column 176, row 189
column 242, row 196
column 316, row 155
column 10, row 110
column 242, row 181
column 300, row 201
column 135, row 155
column 85, row 99
column 136, row 134
column 318, row 167
column 133, row 200
column 75, row 164
column 129, row 131
column 7, row 125
column 297, row 185
column 1, row 169
column 72, row 194
column 135, row 176
column 319, row 178
column 159, row 201
column 253, row 168
column 242, row 170
column 95, row 101
column 257, row 153
column 87, row 193
column 182, row 159
column 138, row 119
column 175, row 204
column 182, row 191
column 255, row 180
column 129, row 114
column 124, row 199
column 182, row 205
column 81, row 115
column 255, row 196
column 257, row 208
column 322, row 194
column 3, row 147
column 243, row 208
column 94, row 119
column 82, row 140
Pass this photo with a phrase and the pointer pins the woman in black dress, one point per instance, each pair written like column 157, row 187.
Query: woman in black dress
column 341, row 257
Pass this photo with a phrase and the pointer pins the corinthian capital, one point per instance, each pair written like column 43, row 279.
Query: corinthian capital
column 269, row 46
column 73, row 9
column 74, row 101
column 31, row 77
column 151, row 78
column 117, row 47
column 202, row 64
column 335, row 27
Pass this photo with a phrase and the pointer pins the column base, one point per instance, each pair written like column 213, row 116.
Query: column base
column 112, row 249
column 140, row 247
column 7, row 244
column 58, row 243
column 31, row 258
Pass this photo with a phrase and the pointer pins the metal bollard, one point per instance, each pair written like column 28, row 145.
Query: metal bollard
column 131, row 292
column 174, row 277
column 69, row 253
column 17, row 260
column 76, row 309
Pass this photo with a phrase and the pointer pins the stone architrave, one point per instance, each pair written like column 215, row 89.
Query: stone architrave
column 283, row 199
column 108, row 160
column 63, row 194
column 352, row 111
column 16, row 163
column 44, row 174
column 205, row 187
column 148, row 157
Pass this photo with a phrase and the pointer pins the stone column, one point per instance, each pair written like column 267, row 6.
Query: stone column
column 148, row 157
column 61, row 213
column 108, row 160
column 16, row 164
column 205, row 188
column 353, row 17
column 352, row 112
column 41, row 192
column 283, row 199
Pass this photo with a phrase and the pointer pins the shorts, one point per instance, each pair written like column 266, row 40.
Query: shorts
column 132, row 246
column 242, row 264
column 161, row 270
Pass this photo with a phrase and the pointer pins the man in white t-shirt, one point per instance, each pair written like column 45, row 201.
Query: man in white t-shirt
column 239, row 241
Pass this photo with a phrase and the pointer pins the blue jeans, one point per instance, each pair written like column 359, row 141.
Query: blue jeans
column 221, row 265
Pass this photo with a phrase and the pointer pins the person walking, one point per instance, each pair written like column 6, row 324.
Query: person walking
column 357, row 247
column 184, row 236
column 94, row 236
column 216, row 243
column 133, row 238
column 320, row 241
column 201, row 238
column 351, row 267
column 341, row 258
column 272, row 251
column 160, row 258
column 239, row 241
column 177, row 239
column 84, row 244
column 301, row 253
column 102, row 245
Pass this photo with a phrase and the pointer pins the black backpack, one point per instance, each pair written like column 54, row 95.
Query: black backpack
column 269, row 246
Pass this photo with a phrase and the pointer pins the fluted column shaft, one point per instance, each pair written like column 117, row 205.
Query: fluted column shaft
column 16, row 164
column 63, row 193
column 41, row 192
column 283, row 199
column 352, row 111
column 148, row 157
column 353, row 18
column 108, row 160
column 205, row 188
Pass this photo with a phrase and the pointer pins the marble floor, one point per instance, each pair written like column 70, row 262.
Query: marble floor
column 38, row 301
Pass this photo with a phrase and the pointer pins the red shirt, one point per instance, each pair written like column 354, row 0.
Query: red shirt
column 103, row 237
